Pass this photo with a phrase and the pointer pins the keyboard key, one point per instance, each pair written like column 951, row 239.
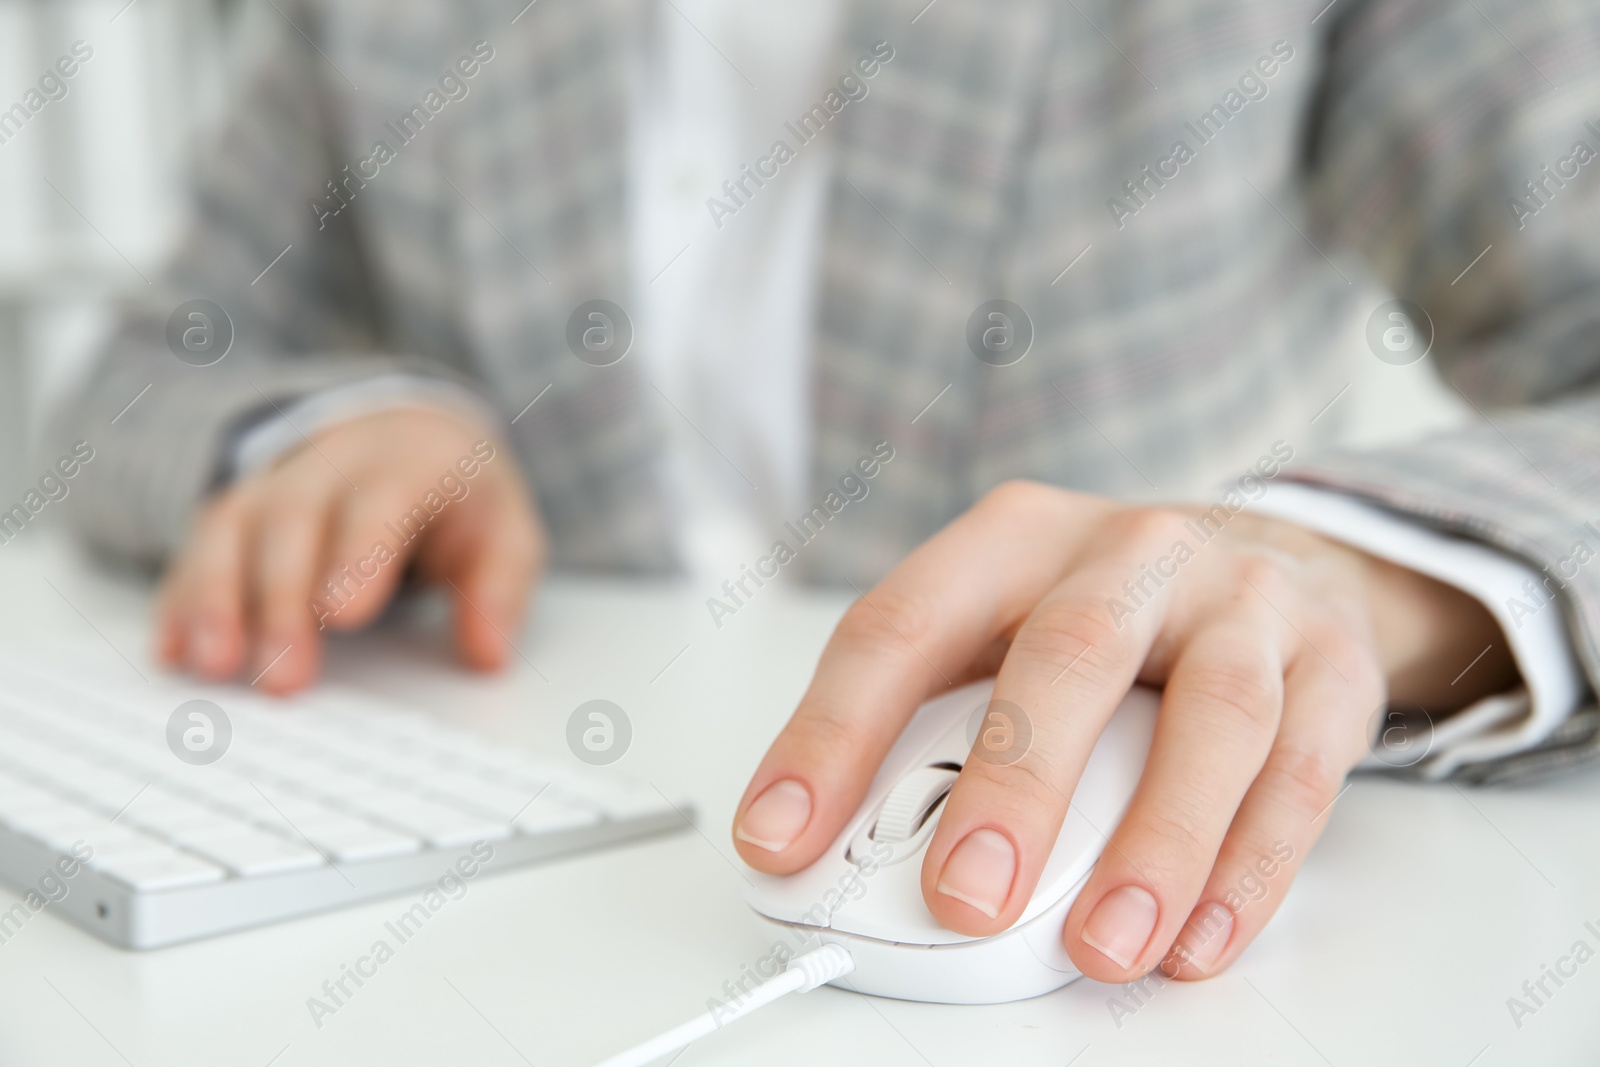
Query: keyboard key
column 440, row 826
column 59, row 812
column 258, row 853
column 23, row 753
column 104, row 840
column 230, row 788
column 355, row 840
column 501, row 802
column 297, row 812
column 619, row 800
column 548, row 815
column 73, row 772
column 637, row 804
column 153, row 873
column 112, row 791
column 163, row 811
column 214, row 828
column 19, row 799
column 287, row 767
column 252, row 807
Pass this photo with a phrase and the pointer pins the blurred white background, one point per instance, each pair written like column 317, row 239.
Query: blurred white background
column 91, row 193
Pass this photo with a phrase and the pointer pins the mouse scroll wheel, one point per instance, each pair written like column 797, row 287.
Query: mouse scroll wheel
column 911, row 802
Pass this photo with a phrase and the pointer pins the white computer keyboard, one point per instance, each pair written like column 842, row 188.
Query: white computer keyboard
column 318, row 802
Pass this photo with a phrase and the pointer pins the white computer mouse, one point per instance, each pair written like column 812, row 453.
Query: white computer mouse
column 865, row 892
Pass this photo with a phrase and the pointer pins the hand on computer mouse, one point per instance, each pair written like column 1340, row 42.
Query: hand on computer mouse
column 355, row 506
column 1275, row 646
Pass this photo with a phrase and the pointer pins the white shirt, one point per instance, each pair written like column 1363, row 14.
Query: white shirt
column 724, row 305
column 724, row 318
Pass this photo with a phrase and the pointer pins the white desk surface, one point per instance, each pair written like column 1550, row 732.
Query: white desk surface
column 1423, row 909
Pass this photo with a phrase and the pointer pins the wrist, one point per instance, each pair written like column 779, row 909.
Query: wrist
column 1428, row 633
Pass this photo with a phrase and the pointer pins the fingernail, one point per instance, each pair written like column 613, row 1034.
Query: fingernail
column 169, row 642
column 979, row 871
column 1204, row 937
column 776, row 817
column 205, row 645
column 1121, row 924
column 271, row 653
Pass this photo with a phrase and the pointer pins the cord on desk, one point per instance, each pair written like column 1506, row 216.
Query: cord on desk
column 804, row 973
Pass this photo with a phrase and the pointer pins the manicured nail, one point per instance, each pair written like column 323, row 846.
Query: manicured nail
column 979, row 871
column 1204, row 937
column 776, row 817
column 1121, row 924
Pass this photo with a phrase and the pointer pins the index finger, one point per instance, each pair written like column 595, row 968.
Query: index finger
column 1069, row 669
column 914, row 634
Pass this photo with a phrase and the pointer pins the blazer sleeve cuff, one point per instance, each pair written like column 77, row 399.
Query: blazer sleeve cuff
column 265, row 436
column 1515, row 594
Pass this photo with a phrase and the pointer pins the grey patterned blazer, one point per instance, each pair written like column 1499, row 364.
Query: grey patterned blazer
column 1392, row 137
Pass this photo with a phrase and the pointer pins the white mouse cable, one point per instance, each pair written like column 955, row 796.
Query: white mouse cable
column 804, row 973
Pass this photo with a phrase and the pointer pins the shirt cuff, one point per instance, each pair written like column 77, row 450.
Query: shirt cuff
column 1496, row 726
column 268, row 438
